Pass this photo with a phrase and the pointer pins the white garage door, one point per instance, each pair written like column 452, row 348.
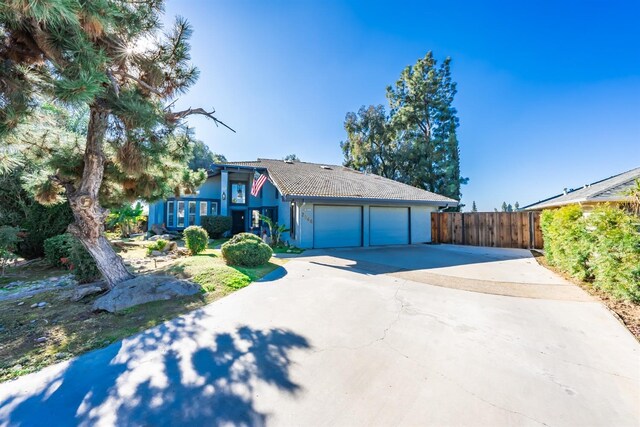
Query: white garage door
column 337, row 226
column 388, row 226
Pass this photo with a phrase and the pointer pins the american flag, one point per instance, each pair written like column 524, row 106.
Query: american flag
column 258, row 182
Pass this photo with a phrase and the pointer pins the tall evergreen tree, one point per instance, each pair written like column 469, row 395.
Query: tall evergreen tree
column 203, row 157
column 291, row 158
column 474, row 208
column 516, row 207
column 505, row 208
column 109, row 57
column 417, row 142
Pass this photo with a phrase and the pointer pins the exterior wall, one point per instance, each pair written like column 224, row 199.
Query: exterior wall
column 421, row 223
column 217, row 189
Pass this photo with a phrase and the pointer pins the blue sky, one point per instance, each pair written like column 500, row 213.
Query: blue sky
column 548, row 92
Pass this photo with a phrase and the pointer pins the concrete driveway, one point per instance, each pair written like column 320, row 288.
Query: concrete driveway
column 360, row 337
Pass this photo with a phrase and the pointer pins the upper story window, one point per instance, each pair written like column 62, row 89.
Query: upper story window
column 238, row 193
column 214, row 208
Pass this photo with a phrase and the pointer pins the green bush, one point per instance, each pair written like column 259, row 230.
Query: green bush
column 246, row 249
column 58, row 248
column 83, row 266
column 216, row 225
column 66, row 250
column 41, row 223
column 158, row 245
column 603, row 247
column 196, row 239
column 9, row 239
column 615, row 258
column 566, row 241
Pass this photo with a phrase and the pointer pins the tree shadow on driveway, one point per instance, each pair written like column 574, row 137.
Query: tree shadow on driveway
column 160, row 377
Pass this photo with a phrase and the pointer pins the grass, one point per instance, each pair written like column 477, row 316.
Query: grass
column 72, row 328
column 287, row 250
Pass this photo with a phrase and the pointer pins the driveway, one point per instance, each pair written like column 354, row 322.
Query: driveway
column 360, row 337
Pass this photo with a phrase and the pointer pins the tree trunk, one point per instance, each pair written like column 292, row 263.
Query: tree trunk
column 89, row 215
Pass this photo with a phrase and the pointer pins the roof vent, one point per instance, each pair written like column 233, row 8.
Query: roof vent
column 325, row 167
column 289, row 162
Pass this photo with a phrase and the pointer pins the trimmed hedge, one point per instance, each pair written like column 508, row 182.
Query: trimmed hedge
column 196, row 239
column 602, row 248
column 247, row 250
column 216, row 225
column 67, row 250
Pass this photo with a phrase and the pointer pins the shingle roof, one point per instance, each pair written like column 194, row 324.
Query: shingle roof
column 316, row 180
column 610, row 189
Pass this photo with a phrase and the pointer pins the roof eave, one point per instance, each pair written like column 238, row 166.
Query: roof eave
column 306, row 198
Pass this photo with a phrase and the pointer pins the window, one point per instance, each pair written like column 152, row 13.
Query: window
column 271, row 213
column 255, row 218
column 214, row 208
column 238, row 193
column 181, row 214
column 192, row 212
column 203, row 209
column 171, row 211
column 292, row 221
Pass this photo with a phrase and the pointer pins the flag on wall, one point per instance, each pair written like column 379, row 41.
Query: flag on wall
column 258, row 182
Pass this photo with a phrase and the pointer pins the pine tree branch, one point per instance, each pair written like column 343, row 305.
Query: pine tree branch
column 114, row 83
column 179, row 115
column 144, row 85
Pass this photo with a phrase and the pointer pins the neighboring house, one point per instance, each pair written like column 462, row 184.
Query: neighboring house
column 324, row 206
column 609, row 190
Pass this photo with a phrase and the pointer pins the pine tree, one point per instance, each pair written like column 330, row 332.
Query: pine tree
column 516, row 207
column 109, row 58
column 474, row 207
column 416, row 142
column 509, row 208
column 505, row 208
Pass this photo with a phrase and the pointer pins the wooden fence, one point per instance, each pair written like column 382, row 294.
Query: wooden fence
column 497, row 229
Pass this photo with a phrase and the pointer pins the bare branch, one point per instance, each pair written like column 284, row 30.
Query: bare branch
column 144, row 85
column 179, row 115
column 114, row 83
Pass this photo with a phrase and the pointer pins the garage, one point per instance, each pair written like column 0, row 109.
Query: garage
column 388, row 226
column 337, row 226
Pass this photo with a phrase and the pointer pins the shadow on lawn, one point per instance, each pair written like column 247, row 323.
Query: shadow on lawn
column 171, row 375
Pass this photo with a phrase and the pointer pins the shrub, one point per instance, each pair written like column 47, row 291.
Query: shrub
column 603, row 247
column 57, row 248
column 158, row 245
column 615, row 258
column 41, row 223
column 566, row 241
column 82, row 264
column 216, row 225
column 66, row 250
column 196, row 239
column 246, row 249
column 8, row 241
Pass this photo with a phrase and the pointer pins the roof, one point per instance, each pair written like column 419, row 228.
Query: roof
column 322, row 181
column 610, row 189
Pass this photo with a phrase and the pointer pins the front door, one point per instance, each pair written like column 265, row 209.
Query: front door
column 237, row 222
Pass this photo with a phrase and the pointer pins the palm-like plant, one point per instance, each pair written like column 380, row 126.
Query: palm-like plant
column 125, row 217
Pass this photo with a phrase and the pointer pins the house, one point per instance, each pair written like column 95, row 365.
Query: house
column 608, row 190
column 324, row 206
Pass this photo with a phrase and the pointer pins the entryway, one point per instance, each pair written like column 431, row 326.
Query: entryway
column 238, row 221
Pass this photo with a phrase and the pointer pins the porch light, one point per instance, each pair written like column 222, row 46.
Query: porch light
column 224, row 195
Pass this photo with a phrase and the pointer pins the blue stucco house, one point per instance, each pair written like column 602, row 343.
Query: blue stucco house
column 324, row 206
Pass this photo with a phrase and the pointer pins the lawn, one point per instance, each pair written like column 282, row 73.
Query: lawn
column 32, row 338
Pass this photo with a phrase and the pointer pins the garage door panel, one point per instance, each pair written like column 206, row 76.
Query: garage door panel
column 337, row 226
column 388, row 226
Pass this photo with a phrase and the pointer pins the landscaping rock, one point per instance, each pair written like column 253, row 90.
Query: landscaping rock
column 143, row 289
column 163, row 237
column 39, row 305
column 90, row 289
column 170, row 247
column 156, row 253
column 40, row 340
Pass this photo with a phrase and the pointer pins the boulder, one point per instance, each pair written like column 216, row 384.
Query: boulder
column 90, row 289
column 143, row 289
column 171, row 246
column 156, row 253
